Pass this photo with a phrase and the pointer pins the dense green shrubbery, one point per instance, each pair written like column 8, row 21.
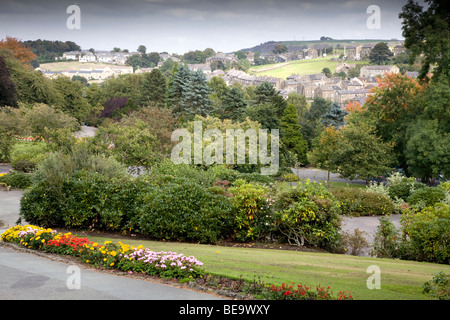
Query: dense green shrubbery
column 426, row 197
column 183, row 211
column 358, row 202
column 16, row 180
column 252, row 211
column 308, row 214
column 399, row 187
column 438, row 287
column 27, row 160
column 424, row 236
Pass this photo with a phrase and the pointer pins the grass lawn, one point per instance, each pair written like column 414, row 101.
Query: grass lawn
column 399, row 279
column 301, row 67
column 31, row 146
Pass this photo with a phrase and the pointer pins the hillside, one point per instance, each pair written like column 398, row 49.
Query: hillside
column 293, row 46
column 300, row 67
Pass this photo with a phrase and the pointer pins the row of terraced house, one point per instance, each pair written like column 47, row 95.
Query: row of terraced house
column 335, row 88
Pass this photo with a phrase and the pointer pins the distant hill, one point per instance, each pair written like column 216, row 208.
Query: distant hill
column 293, row 46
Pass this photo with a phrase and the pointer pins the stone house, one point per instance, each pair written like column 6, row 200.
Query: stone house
column 352, row 84
column 310, row 53
column 327, row 92
column 87, row 56
column 307, row 89
column 222, row 57
column 398, row 49
column 378, row 70
column 353, row 52
column 344, row 67
column 345, row 96
column 71, row 55
column 365, row 51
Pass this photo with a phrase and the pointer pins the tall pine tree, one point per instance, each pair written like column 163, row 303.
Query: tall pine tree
column 195, row 96
column 177, row 86
column 233, row 105
column 154, row 88
column 335, row 117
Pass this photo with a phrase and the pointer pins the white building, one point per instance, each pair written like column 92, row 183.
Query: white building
column 87, row 56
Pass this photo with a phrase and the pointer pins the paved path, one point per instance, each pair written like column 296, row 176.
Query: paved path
column 321, row 176
column 28, row 276
column 86, row 131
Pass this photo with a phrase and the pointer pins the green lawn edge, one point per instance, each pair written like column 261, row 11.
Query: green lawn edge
column 399, row 279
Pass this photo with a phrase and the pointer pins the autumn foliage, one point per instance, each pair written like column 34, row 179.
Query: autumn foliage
column 394, row 97
column 20, row 51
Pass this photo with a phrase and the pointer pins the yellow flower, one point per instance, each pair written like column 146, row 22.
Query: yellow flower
column 113, row 253
column 111, row 264
column 43, row 240
column 104, row 259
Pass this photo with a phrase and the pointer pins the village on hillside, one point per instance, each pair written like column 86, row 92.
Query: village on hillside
column 334, row 88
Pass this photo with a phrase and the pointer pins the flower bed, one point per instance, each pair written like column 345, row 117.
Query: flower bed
column 107, row 255
column 303, row 292
column 143, row 260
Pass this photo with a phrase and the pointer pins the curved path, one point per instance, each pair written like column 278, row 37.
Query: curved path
column 30, row 276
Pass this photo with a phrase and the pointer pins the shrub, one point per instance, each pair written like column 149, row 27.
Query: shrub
column 444, row 186
column 308, row 214
column 438, row 287
column 184, row 211
column 355, row 243
column 357, row 202
column 16, row 180
column 252, row 210
column 426, row 197
column 25, row 162
column 387, row 240
column 404, row 189
column 427, row 233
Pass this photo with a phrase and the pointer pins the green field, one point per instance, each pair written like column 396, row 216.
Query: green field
column 300, row 67
column 400, row 280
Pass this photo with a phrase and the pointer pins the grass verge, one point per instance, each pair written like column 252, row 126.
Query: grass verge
column 400, row 280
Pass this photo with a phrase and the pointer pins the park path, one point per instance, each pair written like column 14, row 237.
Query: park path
column 28, row 276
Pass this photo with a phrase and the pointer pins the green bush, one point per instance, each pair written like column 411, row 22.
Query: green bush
column 404, row 189
column 307, row 214
column 184, row 212
column 252, row 211
column 428, row 233
column 438, row 287
column 426, row 197
column 16, row 180
column 387, row 240
column 27, row 160
column 357, row 202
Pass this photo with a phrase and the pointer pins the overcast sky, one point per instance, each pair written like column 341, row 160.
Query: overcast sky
column 177, row 26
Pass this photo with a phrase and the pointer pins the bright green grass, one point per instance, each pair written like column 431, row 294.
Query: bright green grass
column 300, row 67
column 21, row 146
column 399, row 279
